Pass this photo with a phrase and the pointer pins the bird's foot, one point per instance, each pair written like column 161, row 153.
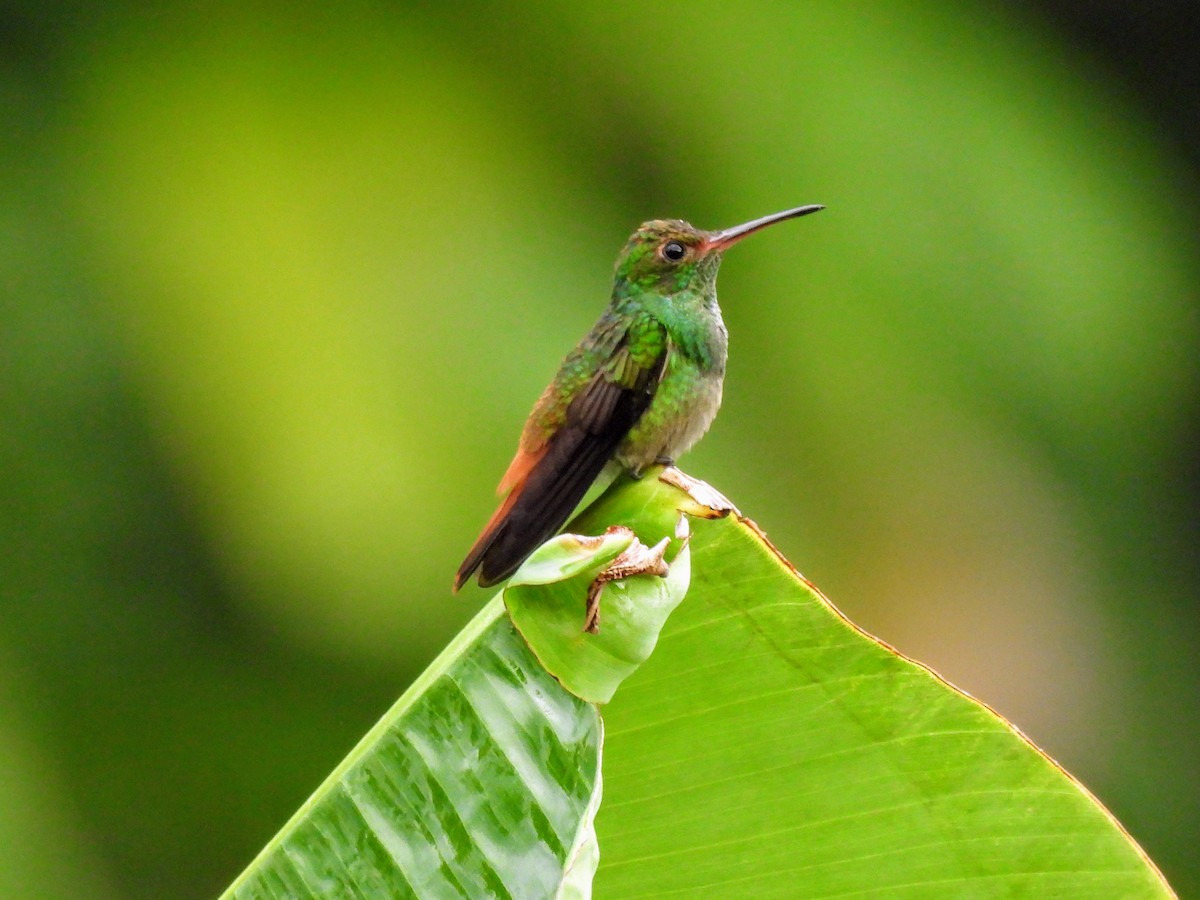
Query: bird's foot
column 636, row 474
column 637, row 559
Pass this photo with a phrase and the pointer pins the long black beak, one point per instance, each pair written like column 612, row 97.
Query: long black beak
column 723, row 240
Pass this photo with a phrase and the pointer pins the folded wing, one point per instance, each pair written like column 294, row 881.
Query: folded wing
column 548, row 480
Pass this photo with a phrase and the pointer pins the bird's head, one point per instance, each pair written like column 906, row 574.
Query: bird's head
column 667, row 256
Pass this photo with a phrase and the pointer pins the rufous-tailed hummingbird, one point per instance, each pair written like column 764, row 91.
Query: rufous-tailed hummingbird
column 641, row 388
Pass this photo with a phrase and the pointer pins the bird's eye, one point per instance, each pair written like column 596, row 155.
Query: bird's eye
column 674, row 251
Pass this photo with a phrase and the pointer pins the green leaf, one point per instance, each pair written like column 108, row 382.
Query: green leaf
column 768, row 747
column 568, row 556
column 771, row 748
column 482, row 780
column 550, row 616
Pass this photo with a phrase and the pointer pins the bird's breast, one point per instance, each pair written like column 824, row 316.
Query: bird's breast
column 684, row 406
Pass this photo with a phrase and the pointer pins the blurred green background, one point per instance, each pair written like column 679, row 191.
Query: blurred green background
column 279, row 284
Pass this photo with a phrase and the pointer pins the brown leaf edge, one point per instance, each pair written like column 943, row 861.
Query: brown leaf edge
column 761, row 536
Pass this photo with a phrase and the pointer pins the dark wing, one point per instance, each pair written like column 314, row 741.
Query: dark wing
column 596, row 421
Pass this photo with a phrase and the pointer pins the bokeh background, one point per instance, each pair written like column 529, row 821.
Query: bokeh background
column 279, row 283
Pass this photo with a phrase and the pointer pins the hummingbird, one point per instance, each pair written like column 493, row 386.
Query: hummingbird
column 641, row 388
